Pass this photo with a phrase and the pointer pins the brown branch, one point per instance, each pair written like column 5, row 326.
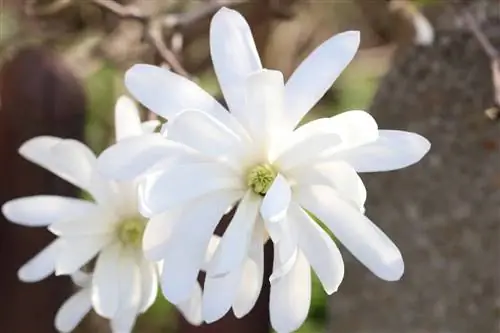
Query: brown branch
column 126, row 12
column 487, row 46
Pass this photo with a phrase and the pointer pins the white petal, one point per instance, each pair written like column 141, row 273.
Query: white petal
column 319, row 249
column 133, row 156
column 358, row 234
column 251, row 278
column 81, row 279
column 233, row 247
column 68, row 159
column 41, row 265
column 96, row 222
column 191, row 308
column 167, row 93
column 124, row 321
column 234, row 56
column 127, row 119
column 275, row 206
column 158, row 232
column 150, row 126
column 129, row 281
column 219, row 294
column 42, row 210
column 291, row 297
column 149, row 285
column 105, row 285
column 190, row 239
column 391, row 151
column 182, row 183
column 316, row 74
column 263, row 116
column 211, row 249
column 77, row 251
column 72, row 312
column 206, row 134
column 336, row 174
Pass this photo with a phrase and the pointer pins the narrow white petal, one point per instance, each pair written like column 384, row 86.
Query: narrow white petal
column 391, row 151
column 77, row 251
column 234, row 56
column 290, row 297
column 180, row 184
column 167, row 93
column 251, row 278
column 150, row 126
column 72, row 312
column 263, row 113
column 275, row 206
column 133, row 156
column 129, row 281
column 81, row 279
column 235, row 242
column 316, row 74
column 149, row 285
column 96, row 222
column 204, row 133
column 68, row 159
column 105, row 284
column 41, row 265
column 219, row 294
column 358, row 234
column 159, row 231
column 319, row 249
column 187, row 250
column 42, row 210
column 211, row 249
column 336, row 174
column 191, row 308
column 127, row 119
column 124, row 321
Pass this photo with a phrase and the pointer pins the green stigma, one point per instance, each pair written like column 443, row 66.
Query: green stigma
column 260, row 178
column 131, row 230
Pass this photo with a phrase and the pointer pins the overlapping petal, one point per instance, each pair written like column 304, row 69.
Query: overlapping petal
column 41, row 265
column 73, row 311
column 76, row 251
column 127, row 119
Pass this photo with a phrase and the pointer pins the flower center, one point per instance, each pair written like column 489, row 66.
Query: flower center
column 261, row 177
column 131, row 230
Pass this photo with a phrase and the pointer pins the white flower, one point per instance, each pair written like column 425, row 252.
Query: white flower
column 124, row 283
column 254, row 155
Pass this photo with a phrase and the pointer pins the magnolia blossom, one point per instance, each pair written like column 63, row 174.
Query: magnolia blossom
column 124, row 283
column 255, row 158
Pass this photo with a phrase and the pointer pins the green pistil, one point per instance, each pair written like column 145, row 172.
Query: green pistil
column 131, row 230
column 260, row 178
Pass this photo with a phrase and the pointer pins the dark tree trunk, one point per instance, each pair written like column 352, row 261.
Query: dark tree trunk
column 444, row 213
column 39, row 96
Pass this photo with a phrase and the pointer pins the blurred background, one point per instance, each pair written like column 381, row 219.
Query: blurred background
column 428, row 66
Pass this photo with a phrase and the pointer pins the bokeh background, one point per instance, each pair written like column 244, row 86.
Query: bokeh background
column 425, row 66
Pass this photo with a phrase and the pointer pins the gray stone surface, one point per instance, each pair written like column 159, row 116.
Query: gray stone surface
column 443, row 213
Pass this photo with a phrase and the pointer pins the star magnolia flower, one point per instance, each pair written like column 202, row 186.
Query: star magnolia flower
column 124, row 283
column 277, row 173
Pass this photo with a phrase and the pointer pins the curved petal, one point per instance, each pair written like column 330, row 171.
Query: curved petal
column 358, row 234
column 263, row 113
column 219, row 294
column 159, row 231
column 97, row 222
column 234, row 56
column 320, row 250
column 167, row 93
column 124, row 321
column 72, row 312
column 149, row 285
column 190, row 239
column 42, row 210
column 206, row 134
column 391, row 151
column 316, row 74
column 81, row 279
column 181, row 183
column 291, row 297
column 275, row 206
column 191, row 309
column 251, row 278
column 211, row 249
column 336, row 174
column 41, row 265
column 127, row 119
column 133, row 156
column 68, row 159
column 233, row 247
column 105, row 286
column 76, row 251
